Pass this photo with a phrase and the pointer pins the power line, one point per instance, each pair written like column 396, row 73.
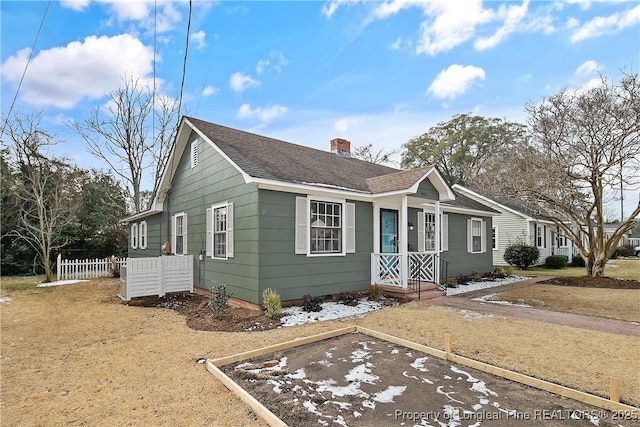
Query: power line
column 184, row 62
column 33, row 49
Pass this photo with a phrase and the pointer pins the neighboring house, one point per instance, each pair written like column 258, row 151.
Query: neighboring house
column 260, row 213
column 514, row 225
column 628, row 239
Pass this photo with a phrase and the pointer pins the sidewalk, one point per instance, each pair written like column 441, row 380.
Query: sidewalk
column 567, row 319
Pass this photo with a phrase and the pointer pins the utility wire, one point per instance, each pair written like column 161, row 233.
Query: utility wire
column 184, row 62
column 33, row 49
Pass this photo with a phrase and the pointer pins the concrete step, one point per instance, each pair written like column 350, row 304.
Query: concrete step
column 427, row 291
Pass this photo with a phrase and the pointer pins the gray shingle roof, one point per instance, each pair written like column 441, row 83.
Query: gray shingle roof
column 268, row 158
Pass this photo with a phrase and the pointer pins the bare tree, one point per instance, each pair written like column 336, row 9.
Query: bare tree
column 379, row 157
column 579, row 140
column 132, row 134
column 44, row 189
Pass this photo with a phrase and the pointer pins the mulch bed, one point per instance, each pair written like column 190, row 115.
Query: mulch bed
column 594, row 282
column 198, row 316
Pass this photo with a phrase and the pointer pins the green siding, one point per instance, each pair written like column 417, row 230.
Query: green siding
column 461, row 261
column 154, row 241
column 214, row 180
column 426, row 190
column 296, row 275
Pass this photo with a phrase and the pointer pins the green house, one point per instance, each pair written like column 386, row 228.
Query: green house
column 257, row 213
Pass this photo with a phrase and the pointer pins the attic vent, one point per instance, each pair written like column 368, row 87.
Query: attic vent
column 194, row 154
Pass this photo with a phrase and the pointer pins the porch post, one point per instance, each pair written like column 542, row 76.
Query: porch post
column 403, row 242
column 376, row 228
column 438, row 243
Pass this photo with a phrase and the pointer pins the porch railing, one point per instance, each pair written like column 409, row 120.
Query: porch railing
column 388, row 269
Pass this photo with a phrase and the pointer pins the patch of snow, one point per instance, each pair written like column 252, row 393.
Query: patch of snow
column 342, row 405
column 357, row 414
column 299, row 374
column 425, row 380
column 476, row 407
column 490, row 299
column 328, row 355
column 5, row 299
column 330, row 311
column 361, row 373
column 340, row 391
column 470, row 378
column 405, row 374
column 386, row 396
column 395, row 351
column 59, row 283
column 476, row 286
column 451, row 399
column 324, row 363
column 484, row 401
column 359, row 355
column 481, row 387
column 418, row 364
column 311, row 407
column 276, row 385
column 452, row 414
column 369, row 404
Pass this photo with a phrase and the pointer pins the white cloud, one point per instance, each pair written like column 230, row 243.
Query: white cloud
column 572, row 23
column 332, row 6
column 265, row 114
column 78, row 5
column 275, row 60
column 513, row 16
column 346, row 124
column 160, row 16
column 210, row 91
column 447, row 24
column 240, row 82
column 199, row 39
column 64, row 76
column 588, row 68
column 261, row 65
column 601, row 25
column 454, row 81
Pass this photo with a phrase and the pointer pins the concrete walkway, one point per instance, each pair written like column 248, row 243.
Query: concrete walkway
column 464, row 302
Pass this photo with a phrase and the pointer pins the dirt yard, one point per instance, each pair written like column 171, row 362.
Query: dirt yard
column 358, row 380
column 77, row 355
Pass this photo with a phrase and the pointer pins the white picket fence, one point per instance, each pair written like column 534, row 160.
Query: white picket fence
column 156, row 276
column 72, row 269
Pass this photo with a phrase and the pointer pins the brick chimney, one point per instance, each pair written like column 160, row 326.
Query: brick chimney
column 341, row 147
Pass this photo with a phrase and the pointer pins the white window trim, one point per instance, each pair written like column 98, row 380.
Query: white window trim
column 483, row 236
column 134, row 236
column 305, row 226
column 497, row 245
column 174, row 235
column 228, row 230
column 142, row 240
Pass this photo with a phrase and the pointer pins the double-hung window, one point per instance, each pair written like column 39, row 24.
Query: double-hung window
column 476, row 235
column 179, row 233
column 494, row 238
column 430, row 231
column 143, row 235
column 134, row 236
column 324, row 226
column 219, row 238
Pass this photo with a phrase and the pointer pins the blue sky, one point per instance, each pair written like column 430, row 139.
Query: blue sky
column 309, row 71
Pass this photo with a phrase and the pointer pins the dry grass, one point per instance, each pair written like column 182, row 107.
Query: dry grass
column 619, row 304
column 76, row 355
column 627, row 268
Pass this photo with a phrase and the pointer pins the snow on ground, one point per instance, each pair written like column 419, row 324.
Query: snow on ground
column 4, row 299
column 59, row 283
column 489, row 298
column 330, row 311
column 476, row 286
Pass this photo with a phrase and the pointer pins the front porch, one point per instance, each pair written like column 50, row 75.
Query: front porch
column 414, row 275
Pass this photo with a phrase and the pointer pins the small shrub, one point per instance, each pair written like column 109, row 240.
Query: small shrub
column 271, row 303
column 219, row 302
column 556, row 261
column 476, row 277
column 114, row 267
column 620, row 251
column 499, row 273
column 374, row 292
column 348, row 298
column 463, row 279
column 508, row 270
column 310, row 303
column 521, row 255
column 451, row 283
column 577, row 261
